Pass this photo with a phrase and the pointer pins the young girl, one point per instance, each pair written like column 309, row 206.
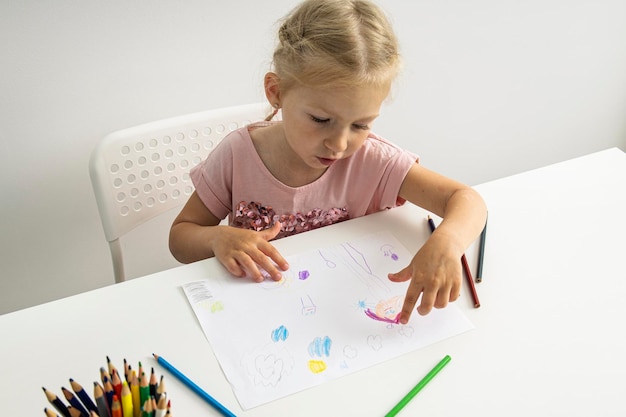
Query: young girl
column 333, row 67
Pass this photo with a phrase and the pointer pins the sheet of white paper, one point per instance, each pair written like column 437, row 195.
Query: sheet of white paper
column 332, row 314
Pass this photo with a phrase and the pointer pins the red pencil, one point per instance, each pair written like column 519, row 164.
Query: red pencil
column 470, row 281
column 468, row 272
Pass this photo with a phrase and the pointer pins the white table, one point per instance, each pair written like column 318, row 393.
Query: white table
column 549, row 337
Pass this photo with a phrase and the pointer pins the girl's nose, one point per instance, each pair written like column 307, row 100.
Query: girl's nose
column 338, row 141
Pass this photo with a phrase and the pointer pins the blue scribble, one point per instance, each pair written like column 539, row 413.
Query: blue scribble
column 320, row 347
column 303, row 275
column 280, row 334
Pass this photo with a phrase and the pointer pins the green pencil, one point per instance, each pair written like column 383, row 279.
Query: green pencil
column 404, row 401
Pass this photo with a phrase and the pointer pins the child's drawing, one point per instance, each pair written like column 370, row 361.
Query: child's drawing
column 269, row 284
column 281, row 333
column 267, row 365
column 334, row 312
column 329, row 263
column 375, row 342
column 387, row 311
column 350, row 352
column 308, row 306
column 357, row 262
column 317, row 366
column 320, row 346
column 388, row 251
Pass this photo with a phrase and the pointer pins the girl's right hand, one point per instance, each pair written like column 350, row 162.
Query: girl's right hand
column 243, row 251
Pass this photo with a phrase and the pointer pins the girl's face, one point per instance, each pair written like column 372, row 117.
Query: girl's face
column 322, row 126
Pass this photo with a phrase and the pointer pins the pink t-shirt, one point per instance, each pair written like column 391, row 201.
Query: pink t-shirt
column 233, row 181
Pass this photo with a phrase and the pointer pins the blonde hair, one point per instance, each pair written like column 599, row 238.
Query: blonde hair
column 336, row 43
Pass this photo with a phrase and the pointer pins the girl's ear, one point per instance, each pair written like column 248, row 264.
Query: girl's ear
column 271, row 83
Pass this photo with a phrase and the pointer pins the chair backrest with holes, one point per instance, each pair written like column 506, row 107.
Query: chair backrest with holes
column 142, row 172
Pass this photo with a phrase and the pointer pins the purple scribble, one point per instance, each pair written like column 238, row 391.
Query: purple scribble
column 303, row 275
column 388, row 251
column 369, row 313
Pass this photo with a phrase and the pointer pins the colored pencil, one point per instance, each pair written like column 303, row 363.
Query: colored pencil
column 134, row 389
column 116, row 407
column 154, row 382
column 116, row 381
column 50, row 413
column 104, row 374
column 127, row 369
column 109, row 392
column 104, row 410
column 147, row 409
column 195, row 388
column 420, row 385
column 84, row 397
column 465, row 265
column 161, row 407
column 110, row 367
column 144, row 389
column 160, row 389
column 127, row 400
column 74, row 402
column 75, row 412
column 481, row 253
column 56, row 403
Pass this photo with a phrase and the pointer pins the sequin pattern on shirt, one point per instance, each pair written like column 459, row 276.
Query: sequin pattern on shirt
column 254, row 216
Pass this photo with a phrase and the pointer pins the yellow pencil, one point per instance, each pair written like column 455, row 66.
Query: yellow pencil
column 127, row 400
column 134, row 390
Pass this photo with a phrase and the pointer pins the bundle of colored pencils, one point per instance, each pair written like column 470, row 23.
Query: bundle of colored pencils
column 137, row 394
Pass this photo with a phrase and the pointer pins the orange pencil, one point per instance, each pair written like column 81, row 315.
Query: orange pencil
column 116, row 407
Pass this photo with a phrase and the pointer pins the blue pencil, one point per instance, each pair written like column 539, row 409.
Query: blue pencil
column 205, row 396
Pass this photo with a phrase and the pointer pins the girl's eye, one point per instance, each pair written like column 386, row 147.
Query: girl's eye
column 361, row 127
column 319, row 120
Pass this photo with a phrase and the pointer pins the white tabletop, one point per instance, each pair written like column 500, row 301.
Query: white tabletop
column 549, row 336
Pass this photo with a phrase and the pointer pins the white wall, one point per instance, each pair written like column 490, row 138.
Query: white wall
column 490, row 88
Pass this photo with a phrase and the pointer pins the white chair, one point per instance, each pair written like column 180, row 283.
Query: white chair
column 140, row 177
